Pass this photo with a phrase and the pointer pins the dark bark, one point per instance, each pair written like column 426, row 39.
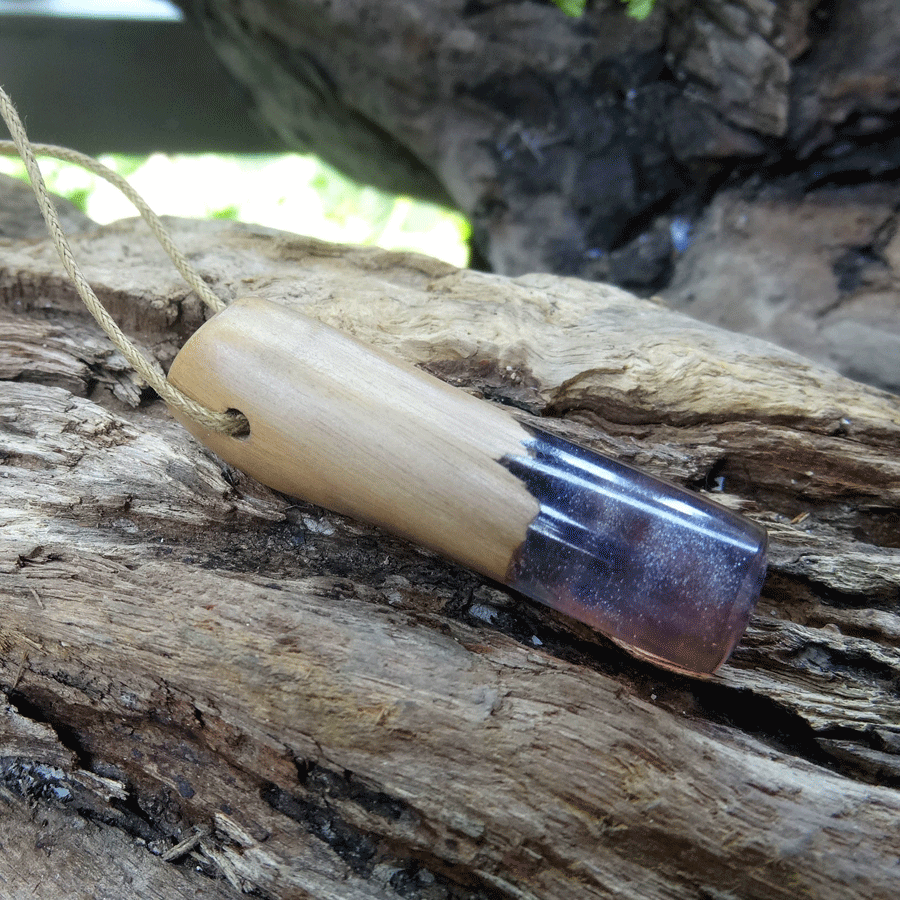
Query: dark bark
column 599, row 146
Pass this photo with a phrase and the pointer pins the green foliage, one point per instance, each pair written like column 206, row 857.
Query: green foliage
column 637, row 9
column 571, row 7
column 126, row 164
column 229, row 213
column 79, row 198
column 289, row 192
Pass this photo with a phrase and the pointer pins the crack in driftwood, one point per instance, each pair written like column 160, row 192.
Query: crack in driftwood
column 352, row 717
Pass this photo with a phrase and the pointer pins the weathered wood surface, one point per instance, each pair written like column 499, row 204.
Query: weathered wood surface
column 818, row 273
column 341, row 715
column 567, row 139
column 51, row 852
column 740, row 156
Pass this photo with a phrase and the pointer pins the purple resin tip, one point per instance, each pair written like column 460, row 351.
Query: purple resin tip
column 666, row 573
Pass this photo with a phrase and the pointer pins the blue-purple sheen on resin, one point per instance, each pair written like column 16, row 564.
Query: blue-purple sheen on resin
column 668, row 574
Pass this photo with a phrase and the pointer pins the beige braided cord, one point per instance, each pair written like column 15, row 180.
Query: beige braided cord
column 229, row 422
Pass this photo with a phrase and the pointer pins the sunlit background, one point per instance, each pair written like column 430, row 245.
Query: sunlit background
column 291, row 192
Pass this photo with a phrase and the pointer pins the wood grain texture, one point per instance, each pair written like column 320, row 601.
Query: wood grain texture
column 51, row 851
column 739, row 156
column 336, row 423
column 344, row 715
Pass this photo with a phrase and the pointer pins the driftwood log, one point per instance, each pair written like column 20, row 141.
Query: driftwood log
column 738, row 157
column 209, row 688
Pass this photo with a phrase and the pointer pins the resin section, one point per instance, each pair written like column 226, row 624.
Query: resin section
column 668, row 574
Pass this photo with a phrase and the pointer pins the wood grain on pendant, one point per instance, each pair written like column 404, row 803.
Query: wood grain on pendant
column 666, row 573
column 341, row 425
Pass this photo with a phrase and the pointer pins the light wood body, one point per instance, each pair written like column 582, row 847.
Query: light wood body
column 339, row 424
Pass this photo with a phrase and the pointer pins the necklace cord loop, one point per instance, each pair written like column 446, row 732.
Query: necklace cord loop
column 231, row 422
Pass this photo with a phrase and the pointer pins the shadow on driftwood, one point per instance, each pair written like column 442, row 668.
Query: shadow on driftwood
column 275, row 699
column 739, row 157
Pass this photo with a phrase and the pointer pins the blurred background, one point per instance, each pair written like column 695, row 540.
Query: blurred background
column 741, row 165
column 87, row 74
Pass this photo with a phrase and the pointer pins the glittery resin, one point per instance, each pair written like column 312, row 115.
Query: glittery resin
column 663, row 571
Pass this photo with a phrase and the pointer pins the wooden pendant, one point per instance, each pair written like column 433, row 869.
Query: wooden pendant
column 666, row 573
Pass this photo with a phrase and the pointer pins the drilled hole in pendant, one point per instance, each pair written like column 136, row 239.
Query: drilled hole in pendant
column 243, row 430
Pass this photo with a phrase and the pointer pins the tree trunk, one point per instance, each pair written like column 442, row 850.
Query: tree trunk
column 738, row 156
column 290, row 702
